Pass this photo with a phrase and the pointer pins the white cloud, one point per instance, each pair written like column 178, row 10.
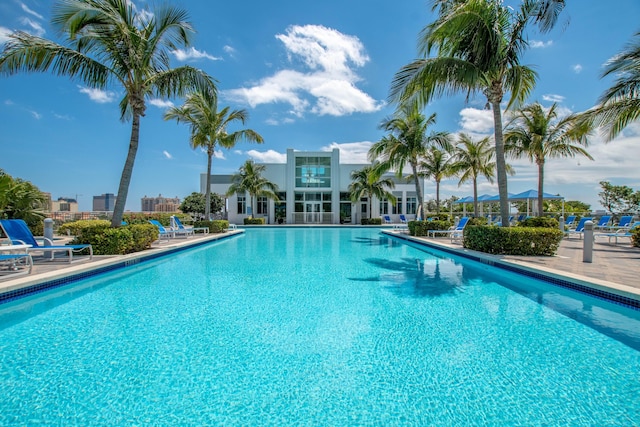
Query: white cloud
column 327, row 83
column 218, row 154
column 553, row 97
column 192, row 54
column 30, row 12
column 35, row 114
column 161, row 103
column 98, row 95
column 577, row 68
column 36, row 28
column 269, row 156
column 536, row 44
column 228, row 49
column 476, row 121
column 167, row 154
column 62, row 116
column 351, row 152
column 4, row 34
column 8, row 102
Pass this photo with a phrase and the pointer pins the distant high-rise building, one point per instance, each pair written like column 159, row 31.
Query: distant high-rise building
column 104, row 202
column 64, row 204
column 160, row 204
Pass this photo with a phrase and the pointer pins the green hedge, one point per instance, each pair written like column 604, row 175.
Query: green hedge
column 421, row 228
column 540, row 222
column 111, row 241
column 216, row 226
column 512, row 240
column 254, row 221
column 635, row 237
column 371, row 221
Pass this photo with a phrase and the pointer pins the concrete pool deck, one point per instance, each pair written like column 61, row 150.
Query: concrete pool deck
column 615, row 268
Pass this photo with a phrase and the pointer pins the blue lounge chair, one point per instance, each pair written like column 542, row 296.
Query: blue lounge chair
column 603, row 222
column 16, row 264
column 570, row 221
column 453, row 232
column 403, row 219
column 625, row 222
column 387, row 219
column 579, row 230
column 622, row 232
column 164, row 233
column 176, row 224
column 19, row 233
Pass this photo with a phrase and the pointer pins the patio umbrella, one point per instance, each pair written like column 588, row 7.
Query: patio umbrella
column 464, row 201
column 533, row 195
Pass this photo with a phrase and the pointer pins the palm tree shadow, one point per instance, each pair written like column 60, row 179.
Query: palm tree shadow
column 413, row 278
column 379, row 241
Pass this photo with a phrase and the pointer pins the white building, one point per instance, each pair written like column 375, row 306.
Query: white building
column 313, row 189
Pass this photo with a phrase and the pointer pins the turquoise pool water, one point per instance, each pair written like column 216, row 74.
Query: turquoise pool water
column 322, row 327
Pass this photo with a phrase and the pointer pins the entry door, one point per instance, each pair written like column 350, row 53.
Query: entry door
column 312, row 212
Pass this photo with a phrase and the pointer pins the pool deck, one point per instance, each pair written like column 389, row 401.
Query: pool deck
column 615, row 268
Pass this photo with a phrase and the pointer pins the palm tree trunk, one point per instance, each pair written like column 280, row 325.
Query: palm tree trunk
column 475, row 197
column 207, row 193
column 540, row 184
column 414, row 167
column 501, row 166
column 438, row 196
column 125, row 179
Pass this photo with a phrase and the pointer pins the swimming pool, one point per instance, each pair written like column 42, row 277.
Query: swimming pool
column 336, row 326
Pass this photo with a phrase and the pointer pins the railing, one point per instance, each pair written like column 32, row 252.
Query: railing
column 312, row 218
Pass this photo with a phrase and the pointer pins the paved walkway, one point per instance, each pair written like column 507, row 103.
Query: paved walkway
column 614, row 266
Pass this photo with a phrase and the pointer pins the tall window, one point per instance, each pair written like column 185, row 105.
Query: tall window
column 384, row 207
column 242, row 204
column 261, row 206
column 313, row 172
column 397, row 208
column 412, row 205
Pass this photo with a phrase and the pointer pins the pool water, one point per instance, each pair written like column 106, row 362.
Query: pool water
column 323, row 327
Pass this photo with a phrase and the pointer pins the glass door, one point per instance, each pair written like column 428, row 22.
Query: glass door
column 312, row 212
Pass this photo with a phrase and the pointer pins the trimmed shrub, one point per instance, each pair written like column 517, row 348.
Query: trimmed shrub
column 371, row 221
column 635, row 237
column 421, row 228
column 539, row 222
column 215, row 226
column 111, row 241
column 82, row 227
column 254, row 221
column 480, row 220
column 143, row 236
column 512, row 240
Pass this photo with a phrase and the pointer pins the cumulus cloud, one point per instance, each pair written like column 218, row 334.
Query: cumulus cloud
column 167, row 154
column 323, row 81
column 577, row 68
column 192, row 54
column 476, row 121
column 98, row 95
column 553, row 97
column 351, row 152
column 30, row 12
column 161, row 103
column 537, row 44
column 269, row 156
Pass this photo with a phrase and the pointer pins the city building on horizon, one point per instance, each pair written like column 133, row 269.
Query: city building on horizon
column 104, row 202
column 64, row 204
column 160, row 204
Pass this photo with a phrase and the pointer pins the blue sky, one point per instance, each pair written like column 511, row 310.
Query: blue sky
column 313, row 76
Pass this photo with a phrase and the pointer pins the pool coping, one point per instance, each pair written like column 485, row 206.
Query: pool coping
column 19, row 287
column 610, row 291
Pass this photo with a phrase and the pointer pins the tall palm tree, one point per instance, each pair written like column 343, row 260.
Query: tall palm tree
column 473, row 160
column 20, row 199
column 407, row 142
column 249, row 179
column 110, row 42
column 437, row 164
column 209, row 128
column 538, row 135
column 619, row 105
column 479, row 45
column 368, row 182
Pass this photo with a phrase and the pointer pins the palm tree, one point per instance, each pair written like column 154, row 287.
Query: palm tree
column 249, row 179
column 109, row 41
column 538, row 135
column 209, row 128
column 437, row 165
column 620, row 105
column 479, row 44
column 368, row 182
column 473, row 160
column 20, row 199
column 407, row 142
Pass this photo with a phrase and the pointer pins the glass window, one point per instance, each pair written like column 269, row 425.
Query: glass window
column 242, row 204
column 397, row 209
column 262, row 206
column 384, row 207
column 412, row 205
column 345, row 197
column 313, row 172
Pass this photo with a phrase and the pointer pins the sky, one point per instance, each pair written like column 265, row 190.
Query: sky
column 313, row 76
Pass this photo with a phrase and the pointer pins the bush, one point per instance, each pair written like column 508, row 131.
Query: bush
column 478, row 221
column 111, row 241
column 254, row 221
column 79, row 228
column 216, row 226
column 421, row 228
column 143, row 236
column 371, row 221
column 635, row 237
column 512, row 240
column 540, row 222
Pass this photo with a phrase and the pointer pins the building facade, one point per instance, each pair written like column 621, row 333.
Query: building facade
column 104, row 203
column 160, row 204
column 64, row 204
column 313, row 189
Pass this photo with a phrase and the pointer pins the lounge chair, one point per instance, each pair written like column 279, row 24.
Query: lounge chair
column 176, row 225
column 625, row 222
column 622, row 232
column 19, row 233
column 15, row 263
column 570, row 221
column 579, row 230
column 403, row 219
column 164, row 233
column 603, row 222
column 455, row 231
column 387, row 219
